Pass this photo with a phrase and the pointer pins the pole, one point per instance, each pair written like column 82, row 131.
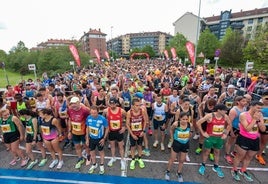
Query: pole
column 6, row 75
column 246, row 76
column 35, row 75
column 112, row 42
column 197, row 33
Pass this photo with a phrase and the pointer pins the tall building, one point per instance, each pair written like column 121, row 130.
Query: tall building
column 122, row 45
column 248, row 22
column 94, row 39
column 53, row 43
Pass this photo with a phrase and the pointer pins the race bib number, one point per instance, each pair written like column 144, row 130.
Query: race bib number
column 229, row 104
column 148, row 104
column 63, row 113
column 254, row 130
column 218, row 129
column 126, row 103
column 136, row 126
column 6, row 128
column 76, row 126
column 165, row 98
column 183, row 135
column 45, row 130
column 115, row 124
column 29, row 130
column 158, row 117
column 94, row 131
column 265, row 119
column 216, row 90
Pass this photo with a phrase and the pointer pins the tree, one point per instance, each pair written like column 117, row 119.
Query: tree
column 178, row 42
column 20, row 47
column 207, row 44
column 231, row 50
column 257, row 49
column 149, row 50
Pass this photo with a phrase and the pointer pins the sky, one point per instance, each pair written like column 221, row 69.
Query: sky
column 36, row 21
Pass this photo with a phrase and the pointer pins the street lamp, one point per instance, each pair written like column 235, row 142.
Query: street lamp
column 112, row 41
column 197, row 32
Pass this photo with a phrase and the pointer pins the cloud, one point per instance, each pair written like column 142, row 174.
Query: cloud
column 2, row 25
column 264, row 4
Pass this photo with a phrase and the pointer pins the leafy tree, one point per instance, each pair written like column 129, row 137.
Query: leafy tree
column 231, row 50
column 20, row 47
column 149, row 50
column 178, row 42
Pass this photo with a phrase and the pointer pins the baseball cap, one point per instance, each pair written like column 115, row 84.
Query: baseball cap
column 74, row 99
column 220, row 107
column 230, row 86
column 113, row 100
column 138, row 95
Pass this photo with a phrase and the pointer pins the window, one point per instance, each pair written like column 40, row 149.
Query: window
column 260, row 20
column 249, row 28
column 250, row 21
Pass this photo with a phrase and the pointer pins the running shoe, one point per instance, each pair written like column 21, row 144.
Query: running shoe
column 167, row 175
column 24, row 162
column 101, row 169
column 32, row 164
column 132, row 164
column 247, row 176
column 60, row 164
column 123, row 165
column 53, row 163
column 162, row 147
column 211, row 157
column 14, row 161
column 79, row 163
column 67, row 144
column 198, row 151
column 218, row 171
column 170, row 142
column 235, row 175
column 196, row 136
column 111, row 162
column 92, row 168
column 180, row 179
column 146, row 152
column 42, row 162
column 260, row 159
column 155, row 144
column 228, row 159
column 141, row 163
column 187, row 158
column 202, row 170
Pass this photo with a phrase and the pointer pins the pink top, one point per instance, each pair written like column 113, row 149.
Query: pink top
column 253, row 133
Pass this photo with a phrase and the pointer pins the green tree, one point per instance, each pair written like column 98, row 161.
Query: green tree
column 178, row 42
column 20, row 47
column 149, row 50
column 231, row 50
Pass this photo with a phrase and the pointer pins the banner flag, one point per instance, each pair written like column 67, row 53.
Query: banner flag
column 190, row 48
column 97, row 55
column 107, row 55
column 173, row 52
column 166, row 54
column 75, row 54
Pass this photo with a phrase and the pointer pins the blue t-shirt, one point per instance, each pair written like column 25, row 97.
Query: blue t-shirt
column 96, row 126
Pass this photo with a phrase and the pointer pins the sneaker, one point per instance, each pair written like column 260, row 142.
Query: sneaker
column 111, row 162
column 246, row 176
column 228, row 159
column 187, row 158
column 235, row 175
column 202, row 170
column 132, row 164
column 67, row 145
column 180, row 179
column 196, row 136
column 170, row 142
column 198, row 151
column 53, row 163
column 123, row 165
column 141, row 163
column 60, row 164
column 32, row 164
column 92, row 168
column 42, row 162
column 79, row 163
column 146, row 152
column 167, row 175
column 155, row 144
column 24, row 162
column 260, row 159
column 211, row 157
column 162, row 147
column 88, row 161
column 14, row 161
column 218, row 171
column 101, row 169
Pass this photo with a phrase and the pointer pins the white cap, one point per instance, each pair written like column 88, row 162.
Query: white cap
column 74, row 99
column 231, row 86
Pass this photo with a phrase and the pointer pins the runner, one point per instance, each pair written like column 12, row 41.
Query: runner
column 248, row 141
column 218, row 126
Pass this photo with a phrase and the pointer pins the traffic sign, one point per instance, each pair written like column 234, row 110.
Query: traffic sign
column 31, row 67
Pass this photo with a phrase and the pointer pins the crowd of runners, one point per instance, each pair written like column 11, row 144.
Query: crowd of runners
column 110, row 103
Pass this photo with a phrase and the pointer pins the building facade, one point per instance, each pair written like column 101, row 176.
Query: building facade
column 123, row 45
column 53, row 43
column 94, row 39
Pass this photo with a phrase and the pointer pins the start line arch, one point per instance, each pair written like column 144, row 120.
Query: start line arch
column 139, row 54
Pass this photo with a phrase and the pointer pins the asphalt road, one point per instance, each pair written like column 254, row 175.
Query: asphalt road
column 155, row 166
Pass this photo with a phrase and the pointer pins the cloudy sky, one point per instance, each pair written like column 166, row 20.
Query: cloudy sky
column 36, row 21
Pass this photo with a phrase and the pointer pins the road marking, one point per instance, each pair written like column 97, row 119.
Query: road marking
column 54, row 180
column 161, row 161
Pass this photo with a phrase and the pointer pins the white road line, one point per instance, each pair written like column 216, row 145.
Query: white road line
column 161, row 161
column 54, row 180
